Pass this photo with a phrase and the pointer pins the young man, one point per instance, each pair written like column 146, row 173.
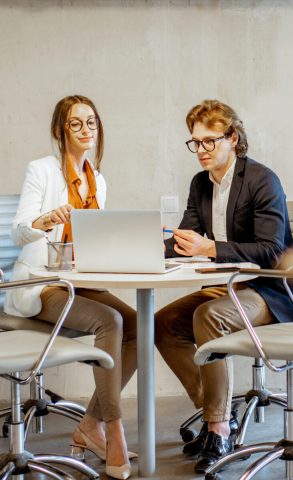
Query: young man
column 236, row 212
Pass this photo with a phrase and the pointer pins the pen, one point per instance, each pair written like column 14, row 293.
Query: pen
column 62, row 261
column 167, row 230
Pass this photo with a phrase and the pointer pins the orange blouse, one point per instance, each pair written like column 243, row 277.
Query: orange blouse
column 74, row 198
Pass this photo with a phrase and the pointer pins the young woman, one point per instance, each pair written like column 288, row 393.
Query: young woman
column 52, row 188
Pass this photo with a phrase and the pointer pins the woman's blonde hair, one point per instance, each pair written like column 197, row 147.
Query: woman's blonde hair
column 217, row 115
column 59, row 119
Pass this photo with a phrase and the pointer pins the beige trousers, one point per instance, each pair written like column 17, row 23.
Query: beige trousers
column 187, row 323
column 114, row 325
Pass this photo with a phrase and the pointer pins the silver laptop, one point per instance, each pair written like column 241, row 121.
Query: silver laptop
column 119, row 241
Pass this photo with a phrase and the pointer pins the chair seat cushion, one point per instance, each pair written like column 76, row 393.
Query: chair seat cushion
column 20, row 349
column 276, row 339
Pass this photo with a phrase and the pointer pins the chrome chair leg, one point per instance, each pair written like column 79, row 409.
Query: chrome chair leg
column 75, row 407
column 5, row 411
column 252, row 406
column 36, row 394
column 50, row 472
column 280, row 400
column 211, row 473
column 30, row 414
column 70, row 462
column 261, row 463
column 28, row 419
column 38, row 467
column 245, row 420
column 258, row 382
column 66, row 412
column 6, row 471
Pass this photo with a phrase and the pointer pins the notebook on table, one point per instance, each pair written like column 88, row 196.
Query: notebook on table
column 119, row 241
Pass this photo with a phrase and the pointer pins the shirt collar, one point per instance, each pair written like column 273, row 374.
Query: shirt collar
column 227, row 178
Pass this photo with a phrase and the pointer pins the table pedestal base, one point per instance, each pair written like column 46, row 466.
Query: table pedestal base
column 145, row 382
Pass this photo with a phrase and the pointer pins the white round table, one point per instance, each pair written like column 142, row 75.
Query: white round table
column 144, row 285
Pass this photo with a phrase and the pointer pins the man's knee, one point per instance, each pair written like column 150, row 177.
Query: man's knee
column 164, row 325
column 107, row 319
column 114, row 320
column 159, row 328
column 203, row 319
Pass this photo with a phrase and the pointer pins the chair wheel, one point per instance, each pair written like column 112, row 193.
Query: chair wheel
column 5, row 430
column 188, row 434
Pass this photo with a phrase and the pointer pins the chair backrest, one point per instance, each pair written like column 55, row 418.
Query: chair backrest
column 8, row 251
column 8, row 254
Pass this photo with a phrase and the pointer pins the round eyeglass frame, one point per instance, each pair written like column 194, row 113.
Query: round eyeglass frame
column 81, row 122
column 202, row 143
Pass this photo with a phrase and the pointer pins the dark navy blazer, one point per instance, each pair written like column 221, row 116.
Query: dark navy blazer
column 258, row 228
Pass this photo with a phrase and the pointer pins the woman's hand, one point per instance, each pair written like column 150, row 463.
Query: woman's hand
column 54, row 217
column 287, row 260
column 190, row 243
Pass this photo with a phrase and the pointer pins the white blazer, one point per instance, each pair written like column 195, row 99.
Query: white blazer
column 44, row 189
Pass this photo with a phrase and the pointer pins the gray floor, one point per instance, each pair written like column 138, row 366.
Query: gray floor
column 171, row 463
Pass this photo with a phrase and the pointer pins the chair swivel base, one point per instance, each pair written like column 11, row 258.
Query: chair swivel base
column 256, row 400
column 42, row 407
column 17, row 464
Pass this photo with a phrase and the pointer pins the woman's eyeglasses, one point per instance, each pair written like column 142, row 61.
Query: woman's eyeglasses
column 76, row 125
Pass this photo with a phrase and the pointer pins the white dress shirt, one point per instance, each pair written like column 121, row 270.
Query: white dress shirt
column 221, row 193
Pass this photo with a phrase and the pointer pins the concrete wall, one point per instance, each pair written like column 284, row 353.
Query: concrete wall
column 145, row 63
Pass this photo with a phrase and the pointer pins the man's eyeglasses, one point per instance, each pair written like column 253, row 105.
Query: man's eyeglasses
column 208, row 144
column 76, row 125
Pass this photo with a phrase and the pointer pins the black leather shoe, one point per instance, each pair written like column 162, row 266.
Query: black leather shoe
column 195, row 446
column 215, row 447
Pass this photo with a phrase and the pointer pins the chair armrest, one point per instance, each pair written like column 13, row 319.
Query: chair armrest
column 42, row 281
column 285, row 275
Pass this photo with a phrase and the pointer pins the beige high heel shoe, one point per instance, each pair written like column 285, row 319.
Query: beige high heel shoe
column 122, row 473
column 77, row 449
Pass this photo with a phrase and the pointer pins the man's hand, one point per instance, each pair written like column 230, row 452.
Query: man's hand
column 190, row 243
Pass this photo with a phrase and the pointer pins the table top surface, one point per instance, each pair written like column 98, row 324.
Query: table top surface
column 183, row 277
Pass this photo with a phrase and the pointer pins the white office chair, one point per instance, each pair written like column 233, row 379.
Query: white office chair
column 22, row 351
column 268, row 342
column 37, row 406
